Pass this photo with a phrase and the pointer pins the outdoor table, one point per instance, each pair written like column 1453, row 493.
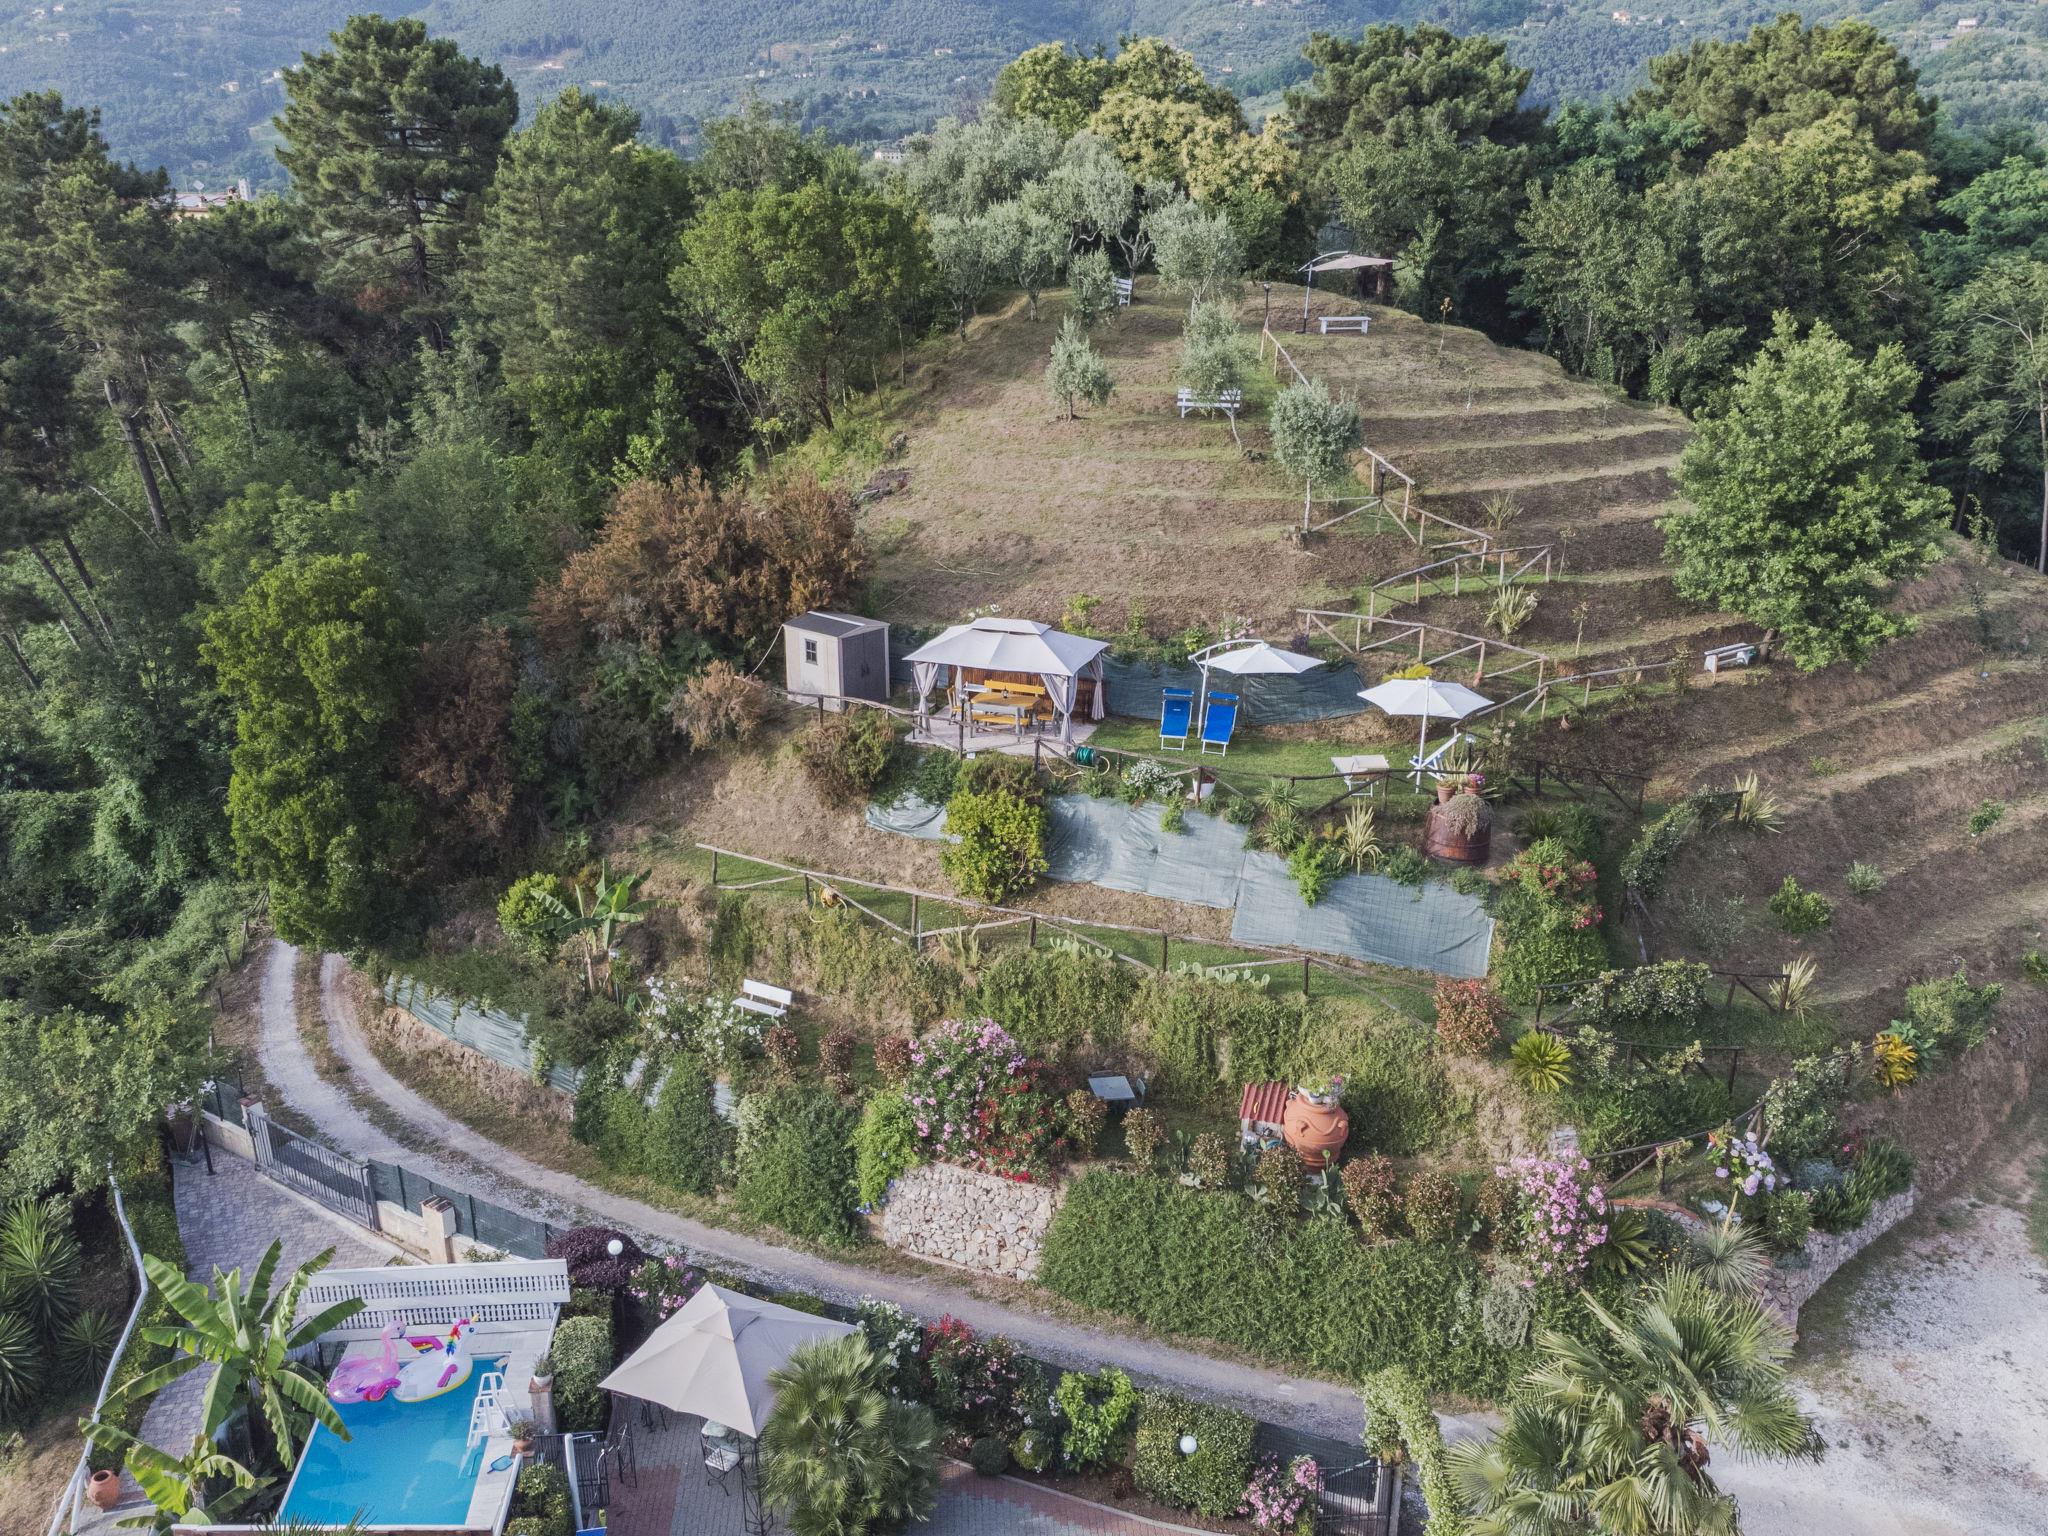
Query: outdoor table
column 1370, row 766
column 998, row 704
column 1115, row 1089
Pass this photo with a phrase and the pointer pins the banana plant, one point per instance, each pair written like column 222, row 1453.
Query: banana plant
column 612, row 902
column 248, row 1336
column 205, row 1486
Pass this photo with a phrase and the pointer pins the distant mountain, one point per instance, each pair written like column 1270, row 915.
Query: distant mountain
column 192, row 84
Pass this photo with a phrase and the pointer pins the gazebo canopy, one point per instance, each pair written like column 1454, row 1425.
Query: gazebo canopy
column 714, row 1357
column 1345, row 261
column 1014, row 645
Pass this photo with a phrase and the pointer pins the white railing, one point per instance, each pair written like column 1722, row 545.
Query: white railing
column 514, row 1291
column 67, row 1507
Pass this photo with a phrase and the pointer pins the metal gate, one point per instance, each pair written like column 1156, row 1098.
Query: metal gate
column 1351, row 1502
column 332, row 1178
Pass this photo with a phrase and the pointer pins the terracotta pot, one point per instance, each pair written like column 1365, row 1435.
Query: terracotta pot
column 1315, row 1131
column 104, row 1489
column 522, row 1447
column 1445, row 788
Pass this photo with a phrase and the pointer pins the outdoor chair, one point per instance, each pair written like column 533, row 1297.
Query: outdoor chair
column 721, row 1460
column 1218, row 721
column 1176, row 712
column 1431, row 763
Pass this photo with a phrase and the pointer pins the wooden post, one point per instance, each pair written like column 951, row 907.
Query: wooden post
column 1734, row 1060
column 916, row 929
column 960, row 715
column 1731, row 994
column 1032, row 943
column 714, row 869
column 1304, row 975
column 807, row 890
column 1479, row 672
column 1164, row 940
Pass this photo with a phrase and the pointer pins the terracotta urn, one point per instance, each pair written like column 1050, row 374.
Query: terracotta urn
column 1315, row 1131
column 104, row 1489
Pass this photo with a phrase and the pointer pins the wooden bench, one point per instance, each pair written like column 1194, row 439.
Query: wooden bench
column 1341, row 323
column 1738, row 655
column 1123, row 291
column 759, row 997
column 1230, row 402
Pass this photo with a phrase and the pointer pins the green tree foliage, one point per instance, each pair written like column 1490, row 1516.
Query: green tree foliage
column 1076, row 374
column 315, row 658
column 391, row 138
column 1059, row 88
column 1807, row 501
column 1000, row 847
column 1993, row 344
column 1315, row 433
column 796, row 1165
column 1199, row 252
column 840, row 1456
column 1615, row 1431
column 799, row 292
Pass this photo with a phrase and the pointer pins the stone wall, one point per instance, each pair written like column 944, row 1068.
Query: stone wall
column 1787, row 1290
column 969, row 1220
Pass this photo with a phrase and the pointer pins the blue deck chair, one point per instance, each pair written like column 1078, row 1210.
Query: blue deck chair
column 1218, row 721
column 1176, row 710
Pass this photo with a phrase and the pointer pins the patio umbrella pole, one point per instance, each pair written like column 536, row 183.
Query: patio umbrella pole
column 752, row 1513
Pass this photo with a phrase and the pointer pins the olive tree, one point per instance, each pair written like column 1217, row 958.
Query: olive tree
column 1076, row 372
column 1315, row 434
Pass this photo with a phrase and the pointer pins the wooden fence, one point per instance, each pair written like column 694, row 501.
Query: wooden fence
column 1604, row 682
column 1332, row 624
column 1531, row 775
column 1446, row 577
column 830, row 890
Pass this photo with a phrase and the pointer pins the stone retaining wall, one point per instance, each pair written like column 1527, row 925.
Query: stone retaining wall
column 1787, row 1290
column 969, row 1220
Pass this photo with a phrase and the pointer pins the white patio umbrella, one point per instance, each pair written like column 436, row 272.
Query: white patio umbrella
column 713, row 1358
column 1429, row 697
column 1253, row 658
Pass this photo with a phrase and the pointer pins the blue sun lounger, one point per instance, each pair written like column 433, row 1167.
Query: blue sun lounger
column 1218, row 721
column 1176, row 712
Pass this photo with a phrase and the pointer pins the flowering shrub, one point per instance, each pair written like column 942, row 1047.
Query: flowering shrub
column 1372, row 1192
column 1549, row 922
column 1282, row 1499
column 972, row 1094
column 1741, row 1159
column 1564, row 1217
column 719, row 1028
column 970, row 1381
column 1433, row 1207
column 895, row 1338
column 1469, row 1015
column 1547, row 868
column 662, row 1285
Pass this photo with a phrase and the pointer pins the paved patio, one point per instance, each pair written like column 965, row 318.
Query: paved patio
column 672, row 1495
column 228, row 1220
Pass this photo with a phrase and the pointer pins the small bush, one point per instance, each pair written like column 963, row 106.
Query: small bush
column 1035, row 1450
column 1784, row 1219
column 845, row 755
column 782, row 1046
column 540, row 1501
column 1947, row 1016
column 1315, row 863
column 1373, row 1192
column 1989, row 813
column 1800, row 912
column 1469, row 1015
column 1432, row 1207
column 1210, row 1482
column 989, row 1456
column 885, row 1146
column 1001, row 847
column 1541, row 1063
column 1579, row 827
column 531, row 915
column 1085, row 1116
column 1894, row 1062
column 1404, row 865
column 1209, row 1160
column 892, row 1057
column 1863, row 879
column 1278, row 1175
column 1097, row 1406
column 1144, row 1134
column 582, row 1350
column 689, row 1144
column 720, row 704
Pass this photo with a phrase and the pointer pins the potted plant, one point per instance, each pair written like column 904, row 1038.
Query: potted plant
column 521, row 1428
column 1324, row 1089
column 544, row 1372
column 104, row 1489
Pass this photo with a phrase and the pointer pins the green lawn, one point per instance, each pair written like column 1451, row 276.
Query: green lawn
column 1252, row 752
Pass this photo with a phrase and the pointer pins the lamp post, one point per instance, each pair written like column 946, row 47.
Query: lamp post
column 1189, row 1445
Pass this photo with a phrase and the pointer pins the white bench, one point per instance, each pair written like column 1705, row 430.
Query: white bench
column 1231, row 401
column 1739, row 655
column 1123, row 292
column 759, row 997
column 1356, row 323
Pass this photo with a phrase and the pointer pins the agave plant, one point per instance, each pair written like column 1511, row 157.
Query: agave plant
column 1359, row 840
column 86, row 1343
column 1727, row 1260
column 1800, row 976
column 38, row 1266
column 248, row 1336
column 21, row 1362
column 1753, row 808
column 1541, row 1063
column 1511, row 608
column 1499, row 510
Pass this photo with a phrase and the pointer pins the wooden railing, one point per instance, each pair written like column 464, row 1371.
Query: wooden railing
column 1332, row 623
column 1527, row 776
column 1446, row 577
column 1585, row 684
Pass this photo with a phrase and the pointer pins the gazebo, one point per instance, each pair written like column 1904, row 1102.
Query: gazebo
column 713, row 1360
column 996, row 651
column 1337, row 261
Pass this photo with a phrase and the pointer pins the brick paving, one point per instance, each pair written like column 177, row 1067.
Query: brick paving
column 228, row 1221
column 672, row 1495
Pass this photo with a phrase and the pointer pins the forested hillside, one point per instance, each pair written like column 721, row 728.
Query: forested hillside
column 192, row 84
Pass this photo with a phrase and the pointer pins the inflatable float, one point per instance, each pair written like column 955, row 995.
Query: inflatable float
column 433, row 1366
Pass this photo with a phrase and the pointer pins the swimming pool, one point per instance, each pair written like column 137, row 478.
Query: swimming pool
column 401, row 1466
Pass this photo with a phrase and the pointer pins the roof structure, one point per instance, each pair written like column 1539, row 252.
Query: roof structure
column 836, row 625
column 1010, row 645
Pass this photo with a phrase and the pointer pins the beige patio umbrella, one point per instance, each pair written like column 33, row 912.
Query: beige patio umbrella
column 713, row 1358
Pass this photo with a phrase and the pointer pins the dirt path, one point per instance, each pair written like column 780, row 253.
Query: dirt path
column 446, row 1148
column 1925, row 1364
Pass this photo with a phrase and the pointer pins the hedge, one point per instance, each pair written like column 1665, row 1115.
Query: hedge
column 797, row 1171
column 1210, row 1482
column 582, row 1353
column 1307, row 1294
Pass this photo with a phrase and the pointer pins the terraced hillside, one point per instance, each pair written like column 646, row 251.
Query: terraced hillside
column 1009, row 505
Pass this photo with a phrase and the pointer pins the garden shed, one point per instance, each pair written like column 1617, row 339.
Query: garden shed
column 835, row 657
column 993, row 663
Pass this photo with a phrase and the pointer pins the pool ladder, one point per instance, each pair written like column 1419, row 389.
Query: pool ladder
column 487, row 1414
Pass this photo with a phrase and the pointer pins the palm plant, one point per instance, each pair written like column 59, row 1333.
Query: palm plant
column 1727, row 1259
column 1511, row 608
column 840, row 1456
column 1615, row 1435
column 1541, row 1063
column 38, row 1266
column 248, row 1336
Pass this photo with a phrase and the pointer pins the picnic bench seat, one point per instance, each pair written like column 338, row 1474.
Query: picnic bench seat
column 1341, row 323
column 997, row 702
column 1740, row 654
column 762, row 998
column 1230, row 401
column 1123, row 292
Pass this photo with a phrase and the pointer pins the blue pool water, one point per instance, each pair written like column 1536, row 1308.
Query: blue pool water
column 401, row 1466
